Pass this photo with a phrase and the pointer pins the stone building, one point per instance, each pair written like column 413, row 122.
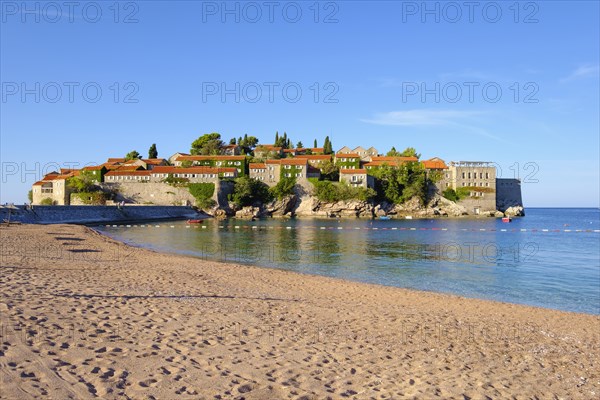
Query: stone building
column 357, row 178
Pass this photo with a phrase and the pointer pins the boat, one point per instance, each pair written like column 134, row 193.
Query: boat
column 385, row 217
column 408, row 217
column 506, row 219
column 194, row 221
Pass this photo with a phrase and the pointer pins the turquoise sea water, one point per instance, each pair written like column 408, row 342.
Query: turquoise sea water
column 550, row 258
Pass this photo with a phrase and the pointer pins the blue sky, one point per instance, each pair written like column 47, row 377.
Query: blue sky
column 388, row 74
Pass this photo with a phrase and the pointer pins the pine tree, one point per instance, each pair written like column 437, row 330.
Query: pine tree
column 299, row 145
column 276, row 137
column 327, row 147
column 315, row 143
column 152, row 152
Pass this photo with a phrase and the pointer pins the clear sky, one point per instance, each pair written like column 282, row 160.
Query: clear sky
column 514, row 83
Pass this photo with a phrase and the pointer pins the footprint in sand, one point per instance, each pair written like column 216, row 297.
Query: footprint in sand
column 148, row 383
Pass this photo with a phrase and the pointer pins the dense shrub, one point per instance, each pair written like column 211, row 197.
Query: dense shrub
column 248, row 191
column 47, row 201
column 331, row 192
column 284, row 187
column 203, row 193
column 450, row 194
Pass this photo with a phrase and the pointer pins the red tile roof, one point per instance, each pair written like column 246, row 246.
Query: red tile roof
column 394, row 159
column 288, row 161
column 353, row 171
column 115, row 160
column 257, row 165
column 191, row 170
column 315, row 156
column 128, row 173
column 434, row 163
column 216, row 158
column 347, row 155
column 95, row 167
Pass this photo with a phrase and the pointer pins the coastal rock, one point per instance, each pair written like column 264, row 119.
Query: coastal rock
column 248, row 213
column 311, row 206
column 498, row 214
column 516, row 211
column 279, row 208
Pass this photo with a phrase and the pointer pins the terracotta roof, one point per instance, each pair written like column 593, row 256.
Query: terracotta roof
column 230, row 146
column 115, row 160
column 216, row 158
column 347, row 155
column 434, row 163
column 128, row 173
column 190, row 170
column 316, row 149
column 67, row 170
column 153, row 161
column 123, row 167
column 394, row 159
column 94, row 167
column 288, row 161
column 314, row 156
column 353, row 171
column 257, row 165
column 292, row 150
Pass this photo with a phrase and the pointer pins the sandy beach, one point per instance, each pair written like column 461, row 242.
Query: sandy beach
column 84, row 316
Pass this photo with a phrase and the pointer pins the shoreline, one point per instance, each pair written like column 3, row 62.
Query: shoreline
column 190, row 327
column 335, row 279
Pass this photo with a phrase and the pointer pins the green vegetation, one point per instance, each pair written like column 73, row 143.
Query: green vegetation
column 152, row 152
column 203, row 193
column 283, row 141
column 47, row 201
column 30, row 196
column 397, row 185
column 92, row 198
column 332, row 192
column 208, row 144
column 248, row 191
column 327, row 146
column 171, row 180
column 84, row 182
column 284, row 187
column 450, row 194
column 410, row 152
column 330, row 171
column 132, row 155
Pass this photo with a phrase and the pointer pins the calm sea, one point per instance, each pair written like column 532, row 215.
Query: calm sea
column 550, row 258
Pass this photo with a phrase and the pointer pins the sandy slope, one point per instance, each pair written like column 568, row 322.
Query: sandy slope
column 84, row 316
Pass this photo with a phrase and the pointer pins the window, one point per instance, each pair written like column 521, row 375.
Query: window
column 481, row 175
column 469, row 175
column 298, row 175
column 463, row 176
column 463, row 184
column 487, row 175
column 487, row 184
column 447, row 184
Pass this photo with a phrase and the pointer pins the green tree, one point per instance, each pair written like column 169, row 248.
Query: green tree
column 152, row 152
column 393, row 152
column 327, row 146
column 410, row 152
column 232, row 141
column 299, row 145
column 47, row 201
column 248, row 143
column 132, row 155
column 30, row 196
column 329, row 171
column 284, row 187
column 315, row 143
column 207, row 144
column 83, row 183
column 450, row 194
column 248, row 191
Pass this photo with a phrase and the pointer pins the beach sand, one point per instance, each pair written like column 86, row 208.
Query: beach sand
column 84, row 316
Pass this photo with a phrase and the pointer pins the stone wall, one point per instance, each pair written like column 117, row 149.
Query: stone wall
column 508, row 193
